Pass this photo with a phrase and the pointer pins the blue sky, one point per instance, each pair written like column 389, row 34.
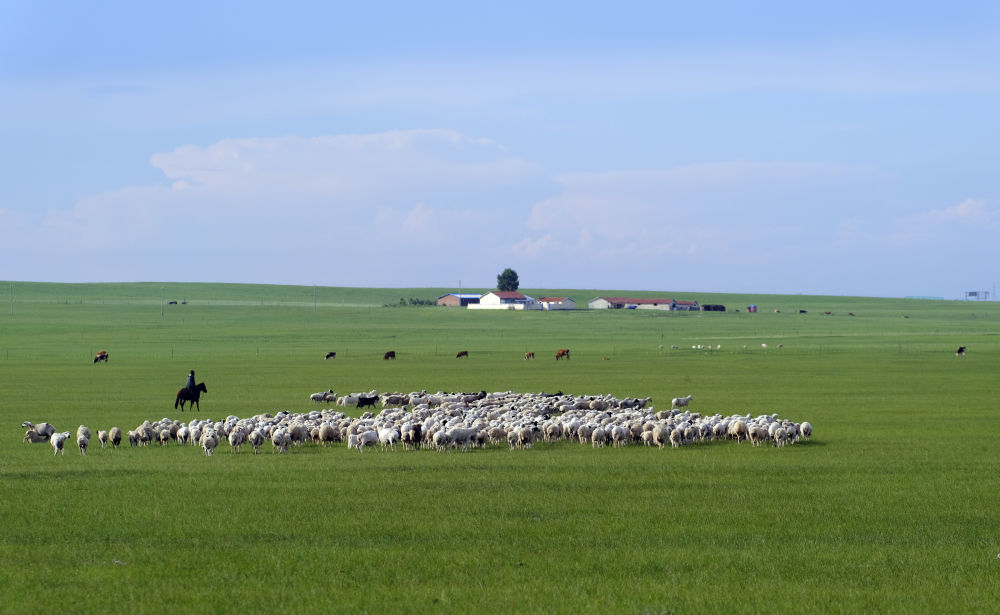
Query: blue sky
column 773, row 147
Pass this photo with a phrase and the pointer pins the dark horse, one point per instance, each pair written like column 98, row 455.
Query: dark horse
column 185, row 395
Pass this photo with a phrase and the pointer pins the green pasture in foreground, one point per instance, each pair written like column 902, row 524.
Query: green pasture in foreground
column 891, row 507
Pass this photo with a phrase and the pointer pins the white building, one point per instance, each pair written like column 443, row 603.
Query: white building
column 505, row 300
column 557, row 303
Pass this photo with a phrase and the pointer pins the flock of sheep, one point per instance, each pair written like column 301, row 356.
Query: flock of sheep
column 459, row 421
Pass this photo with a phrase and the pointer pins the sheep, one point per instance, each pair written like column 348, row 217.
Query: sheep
column 367, row 438
column 681, row 402
column 82, row 430
column 280, row 441
column 676, row 437
column 806, row 429
column 57, row 440
column 256, row 439
column 738, row 430
column 327, row 434
column 44, row 430
column 353, row 442
column 102, row 437
column 236, row 439
column 388, row 437
column 209, row 440
column 322, row 396
column 598, row 437
column 33, row 436
column 83, row 441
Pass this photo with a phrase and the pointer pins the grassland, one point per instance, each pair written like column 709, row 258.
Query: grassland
column 892, row 507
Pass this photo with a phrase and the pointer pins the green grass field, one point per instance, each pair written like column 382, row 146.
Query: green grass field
column 893, row 506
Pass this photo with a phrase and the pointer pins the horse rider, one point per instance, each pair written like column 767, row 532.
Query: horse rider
column 190, row 386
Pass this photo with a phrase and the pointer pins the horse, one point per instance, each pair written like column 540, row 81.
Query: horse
column 389, row 355
column 563, row 353
column 185, row 395
column 463, row 353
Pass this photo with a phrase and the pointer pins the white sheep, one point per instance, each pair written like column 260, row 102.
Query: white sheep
column 209, row 440
column 82, row 441
column 236, row 439
column 738, row 430
column 256, row 439
column 681, row 402
column 388, row 437
column 41, row 432
column 57, row 440
column 115, row 436
column 102, row 437
column 806, row 429
column 598, row 437
column 353, row 442
column 367, row 438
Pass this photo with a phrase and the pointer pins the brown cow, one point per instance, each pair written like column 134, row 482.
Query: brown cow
column 529, row 355
column 563, row 353
column 389, row 355
column 464, row 353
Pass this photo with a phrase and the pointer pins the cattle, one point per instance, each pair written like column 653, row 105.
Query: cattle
column 960, row 352
column 463, row 353
column 529, row 355
column 102, row 355
column 389, row 355
column 562, row 353
column 331, row 355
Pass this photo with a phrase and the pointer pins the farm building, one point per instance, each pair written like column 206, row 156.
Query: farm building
column 686, row 306
column 458, row 299
column 557, row 303
column 618, row 303
column 505, row 300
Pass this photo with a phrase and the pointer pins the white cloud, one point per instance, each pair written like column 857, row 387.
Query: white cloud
column 394, row 204
column 970, row 218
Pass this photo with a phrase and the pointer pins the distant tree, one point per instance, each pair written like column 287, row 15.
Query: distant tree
column 507, row 280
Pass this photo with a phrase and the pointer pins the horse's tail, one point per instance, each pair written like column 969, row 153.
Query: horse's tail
column 177, row 400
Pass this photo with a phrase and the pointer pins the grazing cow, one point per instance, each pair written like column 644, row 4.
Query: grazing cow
column 463, row 353
column 331, row 355
column 562, row 353
column 960, row 352
column 529, row 355
column 389, row 355
column 102, row 355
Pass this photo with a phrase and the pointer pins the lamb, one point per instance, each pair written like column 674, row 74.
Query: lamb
column 33, row 436
column 353, row 442
column 57, row 441
column 681, row 402
column 45, row 430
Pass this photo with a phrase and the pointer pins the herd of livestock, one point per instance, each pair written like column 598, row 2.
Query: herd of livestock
column 456, row 421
